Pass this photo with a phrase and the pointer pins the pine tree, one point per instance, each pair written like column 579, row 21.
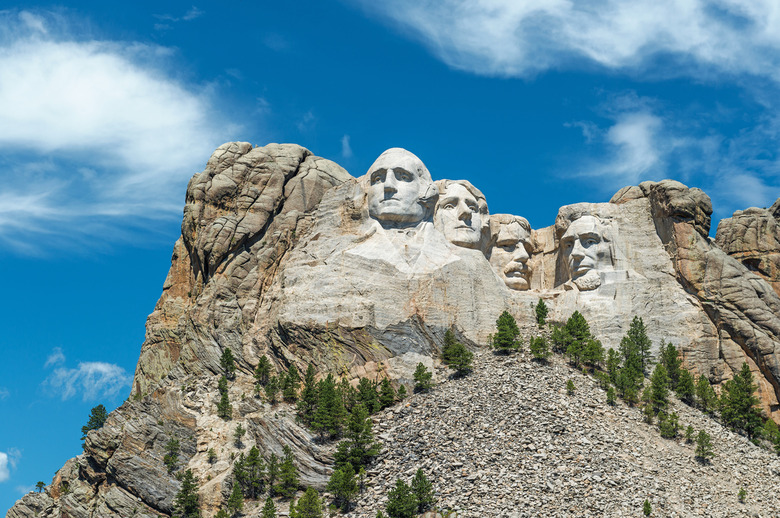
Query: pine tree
column 97, row 418
column 172, row 454
column 506, row 338
column 224, row 408
column 254, row 468
column 689, row 434
column 541, row 313
column 235, row 503
column 272, row 389
column 449, row 343
column 422, row 378
column 705, row 395
column 348, row 394
column 228, row 363
column 560, row 338
column 238, row 435
column 222, row 513
column 646, row 508
column 212, row 456
column 659, row 388
column 539, row 348
column 668, row 425
column 639, row 345
column 368, row 395
column 290, row 384
column 670, row 358
column 269, row 509
column 578, row 336
column 40, row 486
column 570, row 387
column 240, row 475
column 704, row 450
column 262, row 371
column 423, row 491
column 359, row 446
column 739, row 405
column 343, row 486
column 593, row 353
column 307, row 404
column 686, row 387
column 386, row 394
column 401, row 502
column 186, row 501
column 329, row 416
column 611, row 396
column 288, row 475
column 401, row 393
column 309, row 506
column 273, row 472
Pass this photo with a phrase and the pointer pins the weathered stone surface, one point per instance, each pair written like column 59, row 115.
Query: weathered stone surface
column 752, row 236
column 285, row 254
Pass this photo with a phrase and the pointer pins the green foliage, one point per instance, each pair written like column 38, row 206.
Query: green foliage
column 212, row 456
column 386, row 394
column 368, row 395
column 309, row 506
column 704, row 451
column 611, row 396
column 539, row 348
column 238, row 435
column 635, row 346
column 689, row 434
column 506, row 338
column 359, row 446
column 668, row 425
column 560, row 338
column 273, row 471
column 772, row 434
column 570, row 387
column 288, row 475
column 686, row 387
column 309, row 397
column 348, row 394
column 171, row 454
column 343, row 486
column 739, row 404
column 646, row 508
column 401, row 392
column 742, row 495
column 269, row 509
column 290, row 384
column 235, row 503
column 455, row 355
column 249, row 473
column 272, row 389
column 262, row 371
column 613, row 366
column 669, row 357
column 330, row 414
column 228, row 363
column 423, row 491
column 577, row 337
column 593, row 353
column 97, row 418
column 185, row 503
column 224, row 408
column 659, row 388
column 705, row 395
column 401, row 502
column 222, row 513
column 40, row 486
column 422, row 378
column 541, row 313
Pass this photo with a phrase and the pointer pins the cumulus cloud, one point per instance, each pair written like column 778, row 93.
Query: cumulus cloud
column 8, row 462
column 55, row 357
column 507, row 37
column 93, row 380
column 95, row 133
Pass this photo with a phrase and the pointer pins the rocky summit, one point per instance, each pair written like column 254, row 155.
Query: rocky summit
column 286, row 256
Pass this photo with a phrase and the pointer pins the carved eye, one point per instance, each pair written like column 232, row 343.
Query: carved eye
column 472, row 206
column 589, row 241
column 448, row 205
column 509, row 248
column 377, row 177
column 402, row 175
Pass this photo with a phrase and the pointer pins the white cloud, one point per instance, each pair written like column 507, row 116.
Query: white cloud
column 507, row 37
column 93, row 380
column 8, row 462
column 23, row 490
column 55, row 357
column 307, row 122
column 346, row 149
column 111, row 109
column 4, row 393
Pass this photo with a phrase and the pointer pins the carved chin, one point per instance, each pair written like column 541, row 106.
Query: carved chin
column 589, row 281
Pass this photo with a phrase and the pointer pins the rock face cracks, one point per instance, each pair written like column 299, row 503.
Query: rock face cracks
column 281, row 256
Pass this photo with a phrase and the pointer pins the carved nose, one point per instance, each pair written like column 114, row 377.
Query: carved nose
column 577, row 250
column 390, row 181
column 520, row 254
column 464, row 212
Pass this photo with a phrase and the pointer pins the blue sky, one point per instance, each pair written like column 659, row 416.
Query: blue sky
column 107, row 109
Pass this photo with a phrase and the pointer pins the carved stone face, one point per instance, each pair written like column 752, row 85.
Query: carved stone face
column 460, row 217
column 586, row 252
column 398, row 184
column 510, row 255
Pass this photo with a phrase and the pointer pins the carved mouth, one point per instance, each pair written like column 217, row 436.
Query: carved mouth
column 516, row 272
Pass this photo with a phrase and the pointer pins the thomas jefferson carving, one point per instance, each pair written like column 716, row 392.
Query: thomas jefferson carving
column 462, row 214
column 511, row 250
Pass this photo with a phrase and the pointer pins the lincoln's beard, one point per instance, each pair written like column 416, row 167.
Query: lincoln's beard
column 589, row 281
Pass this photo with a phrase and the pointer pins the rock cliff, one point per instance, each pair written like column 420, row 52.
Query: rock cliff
column 286, row 255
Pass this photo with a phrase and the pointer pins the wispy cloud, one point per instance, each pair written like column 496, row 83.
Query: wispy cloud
column 346, row 149
column 507, row 37
column 307, row 122
column 4, row 393
column 55, row 357
column 191, row 14
column 93, row 380
column 23, row 490
column 8, row 462
column 96, row 135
